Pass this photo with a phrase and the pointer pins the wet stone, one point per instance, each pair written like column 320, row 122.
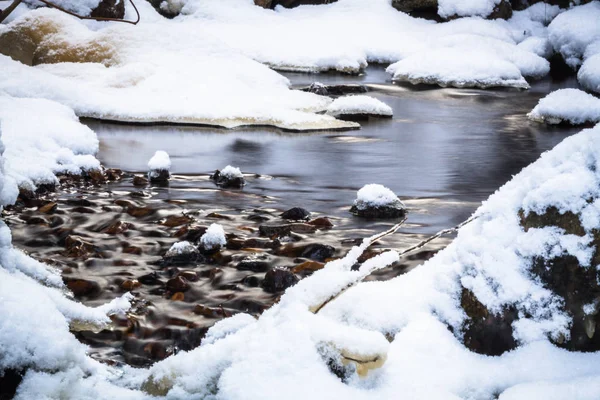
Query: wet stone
column 117, row 227
column 159, row 176
column 76, row 247
column 278, row 279
column 321, row 223
column 255, row 264
column 226, row 181
column 394, row 210
column 48, row 208
column 150, row 279
column 296, row 214
column 318, row 252
column 178, row 284
column 82, row 287
column 140, row 181
column 209, row 312
column 177, row 220
column 130, row 284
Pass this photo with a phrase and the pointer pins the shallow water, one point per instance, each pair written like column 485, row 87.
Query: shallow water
column 443, row 152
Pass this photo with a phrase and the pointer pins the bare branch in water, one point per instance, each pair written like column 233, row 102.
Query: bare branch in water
column 402, row 253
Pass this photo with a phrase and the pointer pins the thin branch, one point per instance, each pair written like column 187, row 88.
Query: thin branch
column 402, row 253
column 6, row 12
column 369, row 242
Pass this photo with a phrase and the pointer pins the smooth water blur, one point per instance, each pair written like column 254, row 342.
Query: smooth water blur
column 443, row 152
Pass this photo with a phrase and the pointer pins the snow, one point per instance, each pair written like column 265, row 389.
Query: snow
column 463, row 8
column 80, row 7
column 574, row 30
column 179, row 248
column 375, row 195
column 160, row 161
column 214, row 237
column 589, row 74
column 231, row 172
column 42, row 139
column 359, row 104
column 567, row 105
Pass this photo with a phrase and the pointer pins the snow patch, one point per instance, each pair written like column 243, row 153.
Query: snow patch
column 359, row 104
column 567, row 105
column 214, row 237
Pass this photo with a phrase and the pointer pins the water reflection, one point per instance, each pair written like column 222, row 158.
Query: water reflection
column 445, row 150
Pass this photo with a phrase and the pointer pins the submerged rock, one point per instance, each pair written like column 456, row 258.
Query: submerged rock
column 335, row 90
column 296, row 214
column 159, row 166
column 182, row 253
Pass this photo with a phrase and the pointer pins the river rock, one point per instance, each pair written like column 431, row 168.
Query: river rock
column 278, row 279
column 408, row 6
column 491, row 333
column 77, row 247
column 178, row 284
column 395, row 210
column 182, row 253
column 140, row 181
column 82, row 287
column 335, row 90
column 257, row 263
column 229, row 177
column 318, row 252
column 296, row 214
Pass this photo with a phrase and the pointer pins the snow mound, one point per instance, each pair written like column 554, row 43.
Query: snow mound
column 160, row 161
column 567, row 105
column 214, row 237
column 359, row 104
column 375, row 195
column 466, row 8
column 42, row 139
column 574, row 30
column 448, row 67
column 589, row 74
column 180, row 248
column 230, row 172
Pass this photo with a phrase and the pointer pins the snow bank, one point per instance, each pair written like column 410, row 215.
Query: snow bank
column 567, row 105
column 43, row 138
column 589, row 74
column 573, row 31
column 214, row 237
column 464, row 8
column 359, row 104
column 36, row 313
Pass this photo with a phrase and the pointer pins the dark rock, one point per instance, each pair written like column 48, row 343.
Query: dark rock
column 296, row 214
column 251, row 281
column 552, row 217
column 318, row 252
column 395, row 210
column 76, row 247
column 159, row 176
column 117, row 227
column 178, row 284
column 209, row 312
column 130, row 284
column 82, row 287
column 279, row 230
column 502, row 10
column 140, row 181
column 150, row 279
column 257, row 218
column 177, row 220
column 321, row 222
column 335, row 90
column 485, row 332
column 296, row 3
column 167, row 12
column 264, row 3
column 226, row 181
column 186, row 258
column 278, row 279
column 190, row 276
column 408, row 6
column 9, row 382
column 48, row 208
column 254, row 264
column 109, row 9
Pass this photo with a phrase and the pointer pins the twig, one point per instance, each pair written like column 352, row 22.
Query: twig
column 15, row 3
column 368, row 242
column 6, row 12
column 403, row 252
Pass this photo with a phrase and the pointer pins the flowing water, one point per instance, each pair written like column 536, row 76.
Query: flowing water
column 443, row 152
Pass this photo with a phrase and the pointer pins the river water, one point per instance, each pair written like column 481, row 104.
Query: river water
column 443, row 152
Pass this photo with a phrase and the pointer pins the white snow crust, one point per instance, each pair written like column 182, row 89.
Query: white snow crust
column 231, row 172
column 359, row 104
column 160, row 161
column 567, row 105
column 375, row 195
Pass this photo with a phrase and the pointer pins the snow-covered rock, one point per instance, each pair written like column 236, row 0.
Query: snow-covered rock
column 159, row 167
column 214, row 238
column 359, row 105
column 377, row 201
column 573, row 106
column 229, row 177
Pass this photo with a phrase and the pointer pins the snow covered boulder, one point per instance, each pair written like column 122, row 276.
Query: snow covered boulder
column 589, row 74
column 159, row 167
column 466, row 68
column 182, row 253
column 229, row 177
column 377, row 201
column 572, row 106
column 358, row 107
column 213, row 239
